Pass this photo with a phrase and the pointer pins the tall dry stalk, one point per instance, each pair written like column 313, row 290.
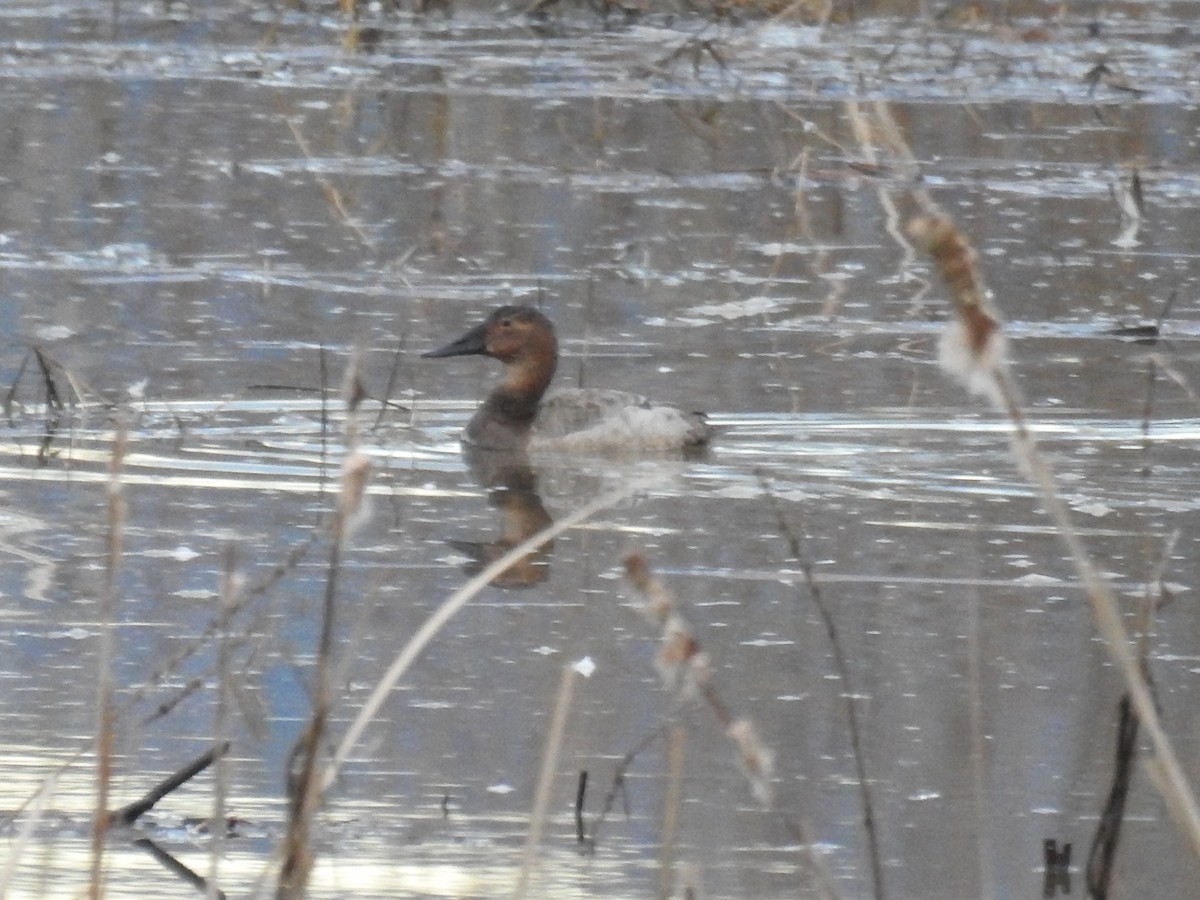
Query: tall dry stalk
column 105, row 711
column 230, row 590
column 307, row 780
column 541, row 801
column 672, row 807
column 973, row 351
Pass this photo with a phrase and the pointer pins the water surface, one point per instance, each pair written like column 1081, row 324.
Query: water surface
column 206, row 211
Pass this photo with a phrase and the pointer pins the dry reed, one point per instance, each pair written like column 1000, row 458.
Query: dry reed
column 973, row 352
column 307, row 785
column 105, row 655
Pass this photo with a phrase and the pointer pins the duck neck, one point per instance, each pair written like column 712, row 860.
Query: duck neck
column 514, row 409
column 506, row 417
column 516, row 398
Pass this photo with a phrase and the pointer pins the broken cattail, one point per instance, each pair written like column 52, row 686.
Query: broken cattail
column 353, row 505
column 656, row 601
column 972, row 348
column 353, row 394
column 686, row 669
column 677, row 652
column 756, row 758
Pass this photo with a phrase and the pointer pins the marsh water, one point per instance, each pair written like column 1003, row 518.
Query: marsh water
column 207, row 209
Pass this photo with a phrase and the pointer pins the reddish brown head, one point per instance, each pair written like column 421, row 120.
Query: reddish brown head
column 510, row 334
column 523, row 339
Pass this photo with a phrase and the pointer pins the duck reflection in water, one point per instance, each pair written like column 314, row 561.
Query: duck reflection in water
column 512, row 489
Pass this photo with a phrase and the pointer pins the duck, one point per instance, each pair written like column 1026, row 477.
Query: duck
column 523, row 414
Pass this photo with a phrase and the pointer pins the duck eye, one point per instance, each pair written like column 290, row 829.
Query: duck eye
column 506, row 323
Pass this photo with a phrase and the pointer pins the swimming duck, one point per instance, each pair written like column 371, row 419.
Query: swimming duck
column 519, row 414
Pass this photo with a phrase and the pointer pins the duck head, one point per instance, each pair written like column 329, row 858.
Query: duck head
column 521, row 338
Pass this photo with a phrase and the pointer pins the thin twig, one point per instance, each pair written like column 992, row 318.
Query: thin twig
column 175, row 867
column 847, row 692
column 336, row 199
column 130, row 813
column 617, row 787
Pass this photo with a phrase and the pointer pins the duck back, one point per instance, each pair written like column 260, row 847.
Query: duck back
column 592, row 420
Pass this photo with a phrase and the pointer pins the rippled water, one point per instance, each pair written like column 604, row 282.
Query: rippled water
column 206, row 209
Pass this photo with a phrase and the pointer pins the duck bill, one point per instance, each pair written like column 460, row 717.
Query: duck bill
column 473, row 343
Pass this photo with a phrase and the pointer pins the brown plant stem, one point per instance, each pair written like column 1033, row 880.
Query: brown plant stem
column 105, row 711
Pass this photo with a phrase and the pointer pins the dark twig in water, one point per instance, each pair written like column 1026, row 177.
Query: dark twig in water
column 618, row 787
column 130, row 813
column 80, row 389
column 1056, row 868
column 580, row 794
column 175, row 867
column 11, row 395
column 1103, row 851
column 393, row 374
column 843, row 672
column 53, row 399
column 1146, row 333
column 291, row 388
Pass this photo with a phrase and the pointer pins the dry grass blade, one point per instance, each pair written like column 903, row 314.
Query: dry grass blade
column 334, row 196
column 672, row 807
column 541, row 802
column 20, row 839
